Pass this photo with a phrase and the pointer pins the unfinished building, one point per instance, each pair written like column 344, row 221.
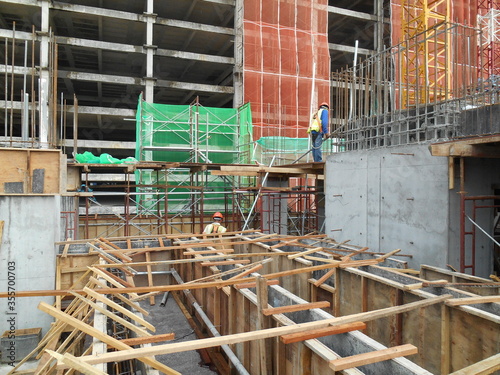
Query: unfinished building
column 128, row 124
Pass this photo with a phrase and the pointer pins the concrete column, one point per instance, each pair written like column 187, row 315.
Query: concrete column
column 150, row 51
column 238, row 54
column 44, row 85
column 379, row 26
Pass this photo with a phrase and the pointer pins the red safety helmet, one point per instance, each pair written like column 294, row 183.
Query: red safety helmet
column 324, row 104
column 218, row 215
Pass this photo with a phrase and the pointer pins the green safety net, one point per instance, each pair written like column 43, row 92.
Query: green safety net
column 289, row 150
column 189, row 134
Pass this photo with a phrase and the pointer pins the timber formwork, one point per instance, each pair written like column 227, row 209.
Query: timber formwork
column 250, row 284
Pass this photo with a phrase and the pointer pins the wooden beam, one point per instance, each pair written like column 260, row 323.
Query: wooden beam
column 463, row 149
column 372, row 357
column 294, row 308
column 257, row 335
column 321, row 332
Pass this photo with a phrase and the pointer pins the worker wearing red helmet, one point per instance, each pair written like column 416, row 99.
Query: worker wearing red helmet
column 215, row 226
column 319, row 129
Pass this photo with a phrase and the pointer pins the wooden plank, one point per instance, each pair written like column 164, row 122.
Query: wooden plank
column 285, row 243
column 484, row 367
column 75, row 363
column 349, row 256
column 65, row 250
column 253, row 285
column 445, row 340
column 323, row 260
column 372, row 357
column 257, row 335
column 247, row 272
column 472, row 300
column 45, row 307
column 144, row 296
column 225, row 262
column 262, row 303
column 109, row 246
column 297, row 307
column 165, row 288
column 121, row 298
column 321, row 332
column 313, row 250
column 113, row 316
column 150, row 278
column 359, row 263
column 424, row 284
column 208, row 251
column 325, row 277
column 149, row 340
column 121, row 309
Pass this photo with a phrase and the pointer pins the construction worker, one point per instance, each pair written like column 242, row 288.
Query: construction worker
column 319, row 129
column 216, row 226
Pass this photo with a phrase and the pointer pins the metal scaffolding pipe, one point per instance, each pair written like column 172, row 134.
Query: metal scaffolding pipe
column 230, row 355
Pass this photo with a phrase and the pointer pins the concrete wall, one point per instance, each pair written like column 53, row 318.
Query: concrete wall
column 31, row 227
column 390, row 198
column 399, row 198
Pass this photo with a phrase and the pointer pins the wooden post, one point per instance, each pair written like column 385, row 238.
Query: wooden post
column 150, row 277
column 445, row 339
column 262, row 302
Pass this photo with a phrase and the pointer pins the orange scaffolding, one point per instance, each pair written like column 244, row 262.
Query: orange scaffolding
column 286, row 68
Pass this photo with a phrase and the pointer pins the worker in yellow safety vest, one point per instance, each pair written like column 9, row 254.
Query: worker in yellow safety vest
column 216, row 226
column 318, row 129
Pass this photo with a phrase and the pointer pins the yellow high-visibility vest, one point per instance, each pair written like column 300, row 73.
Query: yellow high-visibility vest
column 214, row 228
column 315, row 124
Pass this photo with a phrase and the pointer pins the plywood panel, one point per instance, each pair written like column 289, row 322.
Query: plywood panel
column 41, row 167
column 379, row 296
column 14, row 166
column 76, row 265
column 50, row 163
column 473, row 338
